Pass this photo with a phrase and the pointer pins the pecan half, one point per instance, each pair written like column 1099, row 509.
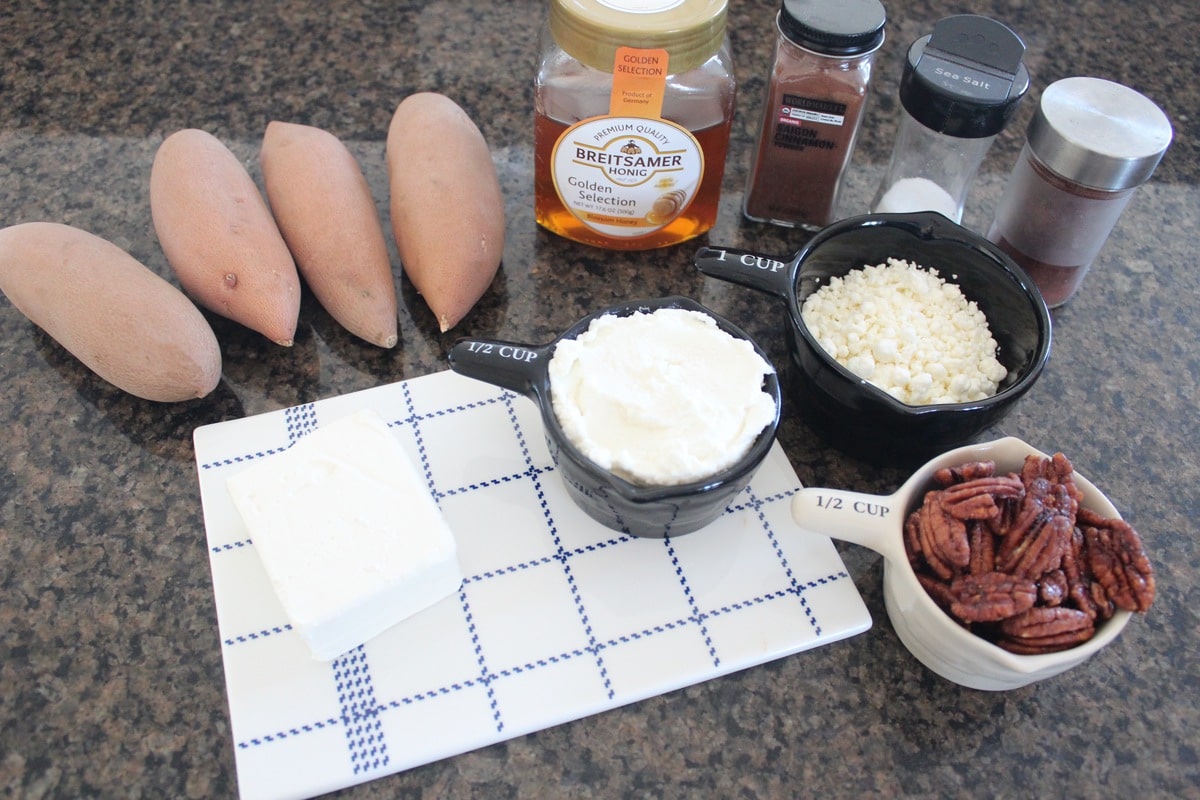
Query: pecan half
column 1028, row 521
column 1119, row 563
column 1038, row 623
column 983, row 548
column 1048, row 628
column 912, row 539
column 965, row 472
column 944, row 535
column 1053, row 588
column 938, row 590
column 1042, row 551
column 991, row 597
column 1056, row 471
column 977, row 499
column 1079, row 585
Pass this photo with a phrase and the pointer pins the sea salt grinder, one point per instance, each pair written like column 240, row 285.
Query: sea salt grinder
column 1090, row 144
column 961, row 85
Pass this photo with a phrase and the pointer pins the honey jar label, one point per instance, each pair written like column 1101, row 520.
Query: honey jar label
column 627, row 176
column 629, row 173
column 639, row 83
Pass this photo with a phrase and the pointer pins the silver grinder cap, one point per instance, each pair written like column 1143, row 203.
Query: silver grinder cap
column 1098, row 133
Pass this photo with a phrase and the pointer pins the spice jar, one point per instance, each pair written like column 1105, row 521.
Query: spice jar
column 961, row 85
column 813, row 108
column 633, row 107
column 1090, row 144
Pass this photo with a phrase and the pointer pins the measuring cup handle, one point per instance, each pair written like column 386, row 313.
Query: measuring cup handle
column 868, row 520
column 752, row 270
column 511, row 366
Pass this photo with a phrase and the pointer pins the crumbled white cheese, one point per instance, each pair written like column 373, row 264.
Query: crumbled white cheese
column 908, row 331
column 660, row 398
column 350, row 537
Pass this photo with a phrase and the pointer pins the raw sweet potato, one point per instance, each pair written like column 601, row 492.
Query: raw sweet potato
column 447, row 210
column 219, row 236
column 124, row 322
column 326, row 213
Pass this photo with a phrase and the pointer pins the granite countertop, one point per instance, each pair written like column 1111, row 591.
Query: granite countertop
column 111, row 680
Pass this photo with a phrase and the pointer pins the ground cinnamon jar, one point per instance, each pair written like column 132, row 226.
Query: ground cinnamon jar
column 814, row 105
column 633, row 105
column 1090, row 144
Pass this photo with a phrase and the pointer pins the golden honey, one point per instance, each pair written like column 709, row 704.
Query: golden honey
column 633, row 107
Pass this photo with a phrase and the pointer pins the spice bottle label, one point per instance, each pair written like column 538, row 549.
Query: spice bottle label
column 629, row 173
column 796, row 110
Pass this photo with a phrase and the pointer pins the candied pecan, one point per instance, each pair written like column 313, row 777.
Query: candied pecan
column 1028, row 521
column 912, row 538
column 1053, row 588
column 1041, row 552
column 1101, row 604
column 965, row 472
column 938, row 590
column 976, row 499
column 929, row 549
column 1118, row 562
column 1042, row 475
column 943, row 535
column 990, row 597
column 1062, row 500
column 1004, row 521
column 1056, row 468
column 1042, row 625
column 983, row 548
column 1049, row 644
column 1079, row 586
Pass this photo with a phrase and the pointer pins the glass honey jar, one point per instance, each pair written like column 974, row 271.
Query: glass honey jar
column 633, row 105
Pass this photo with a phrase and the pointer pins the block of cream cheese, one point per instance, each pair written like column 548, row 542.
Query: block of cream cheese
column 350, row 537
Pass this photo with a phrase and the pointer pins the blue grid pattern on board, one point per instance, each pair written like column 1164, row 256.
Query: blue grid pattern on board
column 361, row 710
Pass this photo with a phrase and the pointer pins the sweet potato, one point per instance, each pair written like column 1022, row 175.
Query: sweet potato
column 446, row 209
column 124, row 322
column 327, row 215
column 219, row 236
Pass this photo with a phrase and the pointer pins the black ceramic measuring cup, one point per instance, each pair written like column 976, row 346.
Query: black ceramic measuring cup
column 648, row 511
column 853, row 413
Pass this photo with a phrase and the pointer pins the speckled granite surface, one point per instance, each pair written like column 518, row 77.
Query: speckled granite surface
column 110, row 670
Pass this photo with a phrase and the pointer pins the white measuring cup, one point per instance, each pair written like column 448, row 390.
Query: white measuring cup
column 937, row 641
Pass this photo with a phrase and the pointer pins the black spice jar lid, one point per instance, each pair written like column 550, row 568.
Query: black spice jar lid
column 966, row 78
column 834, row 27
column 1098, row 133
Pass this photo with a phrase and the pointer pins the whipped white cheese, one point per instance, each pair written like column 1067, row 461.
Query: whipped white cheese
column 349, row 535
column 660, row 398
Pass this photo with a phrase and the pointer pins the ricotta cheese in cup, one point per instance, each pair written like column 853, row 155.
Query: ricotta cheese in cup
column 660, row 398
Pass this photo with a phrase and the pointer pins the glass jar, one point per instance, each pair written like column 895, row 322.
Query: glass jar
column 633, row 105
column 814, row 106
column 1090, row 144
column 961, row 85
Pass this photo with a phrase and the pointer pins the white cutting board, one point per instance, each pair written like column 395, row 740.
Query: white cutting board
column 558, row 618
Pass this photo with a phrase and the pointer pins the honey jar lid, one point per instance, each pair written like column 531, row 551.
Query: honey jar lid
column 590, row 31
column 1098, row 133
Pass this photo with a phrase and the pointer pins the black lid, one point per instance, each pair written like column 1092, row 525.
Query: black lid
column 966, row 78
column 834, row 27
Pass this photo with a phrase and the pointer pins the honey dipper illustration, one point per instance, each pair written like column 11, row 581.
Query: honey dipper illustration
column 667, row 206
